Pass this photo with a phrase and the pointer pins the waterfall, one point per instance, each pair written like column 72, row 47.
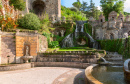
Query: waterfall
column 68, row 41
column 82, row 29
column 79, row 32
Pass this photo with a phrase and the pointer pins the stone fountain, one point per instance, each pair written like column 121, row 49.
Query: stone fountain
column 27, row 56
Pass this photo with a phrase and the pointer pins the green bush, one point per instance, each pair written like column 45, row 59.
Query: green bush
column 53, row 44
column 30, row 21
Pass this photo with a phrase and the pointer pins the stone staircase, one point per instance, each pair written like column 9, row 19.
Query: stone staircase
column 113, row 58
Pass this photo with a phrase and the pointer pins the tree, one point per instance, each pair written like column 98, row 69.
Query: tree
column 84, row 6
column 77, row 5
column 78, row 0
column 112, row 5
column 18, row 4
column 92, row 9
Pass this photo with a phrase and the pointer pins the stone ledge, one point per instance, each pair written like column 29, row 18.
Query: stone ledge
column 89, row 79
column 15, row 67
column 61, row 64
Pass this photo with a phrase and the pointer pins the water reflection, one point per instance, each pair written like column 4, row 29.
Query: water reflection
column 109, row 75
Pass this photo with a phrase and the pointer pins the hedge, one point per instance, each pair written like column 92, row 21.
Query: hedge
column 118, row 45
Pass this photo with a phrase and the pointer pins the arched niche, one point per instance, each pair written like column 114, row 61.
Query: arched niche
column 129, row 33
column 39, row 7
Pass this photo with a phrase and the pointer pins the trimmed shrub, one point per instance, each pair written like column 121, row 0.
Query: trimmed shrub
column 30, row 21
column 53, row 44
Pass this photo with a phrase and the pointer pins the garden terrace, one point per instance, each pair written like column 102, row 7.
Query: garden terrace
column 77, row 54
column 74, row 50
column 83, row 57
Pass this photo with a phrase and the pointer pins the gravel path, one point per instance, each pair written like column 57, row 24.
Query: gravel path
column 39, row 75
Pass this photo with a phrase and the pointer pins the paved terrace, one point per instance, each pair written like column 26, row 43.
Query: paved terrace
column 41, row 75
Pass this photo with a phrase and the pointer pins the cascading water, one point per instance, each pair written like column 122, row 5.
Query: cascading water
column 68, row 41
column 82, row 29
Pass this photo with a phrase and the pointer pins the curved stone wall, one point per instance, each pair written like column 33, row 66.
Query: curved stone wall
column 89, row 79
column 15, row 67
column 127, row 69
column 61, row 64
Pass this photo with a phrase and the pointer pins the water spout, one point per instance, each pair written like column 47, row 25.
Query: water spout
column 104, row 60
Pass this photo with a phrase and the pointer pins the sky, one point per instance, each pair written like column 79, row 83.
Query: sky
column 68, row 3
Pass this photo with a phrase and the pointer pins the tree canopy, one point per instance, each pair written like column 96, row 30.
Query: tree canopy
column 77, row 5
column 18, row 4
column 112, row 5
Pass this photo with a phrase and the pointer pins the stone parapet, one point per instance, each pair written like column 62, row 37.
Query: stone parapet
column 61, row 64
column 15, row 67
column 89, row 79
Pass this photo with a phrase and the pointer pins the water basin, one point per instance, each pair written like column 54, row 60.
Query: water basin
column 109, row 74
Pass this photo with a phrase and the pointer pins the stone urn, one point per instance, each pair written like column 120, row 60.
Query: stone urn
column 26, row 58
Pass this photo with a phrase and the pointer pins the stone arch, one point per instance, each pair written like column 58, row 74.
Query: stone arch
column 111, row 36
column 39, row 7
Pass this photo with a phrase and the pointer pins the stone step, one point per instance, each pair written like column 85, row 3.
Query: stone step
column 114, row 59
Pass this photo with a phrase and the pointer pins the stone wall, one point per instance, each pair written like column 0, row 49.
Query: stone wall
column 13, row 45
column 61, row 64
column 8, row 48
column 51, row 7
column 43, row 44
column 16, row 67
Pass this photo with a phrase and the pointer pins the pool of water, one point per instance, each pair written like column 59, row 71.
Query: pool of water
column 109, row 74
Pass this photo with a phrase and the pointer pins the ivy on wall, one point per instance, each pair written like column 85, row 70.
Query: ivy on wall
column 88, row 28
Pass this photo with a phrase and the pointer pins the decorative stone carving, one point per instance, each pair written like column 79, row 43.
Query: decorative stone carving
column 57, row 33
column 91, row 19
column 112, row 24
column 62, row 33
column 27, row 51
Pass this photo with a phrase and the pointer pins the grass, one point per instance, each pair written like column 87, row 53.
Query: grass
column 76, row 49
column 62, row 50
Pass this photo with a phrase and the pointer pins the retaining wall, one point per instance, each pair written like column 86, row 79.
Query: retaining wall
column 61, row 64
column 15, row 67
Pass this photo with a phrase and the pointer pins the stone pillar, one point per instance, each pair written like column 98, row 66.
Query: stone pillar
column 27, row 10
column 58, row 20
